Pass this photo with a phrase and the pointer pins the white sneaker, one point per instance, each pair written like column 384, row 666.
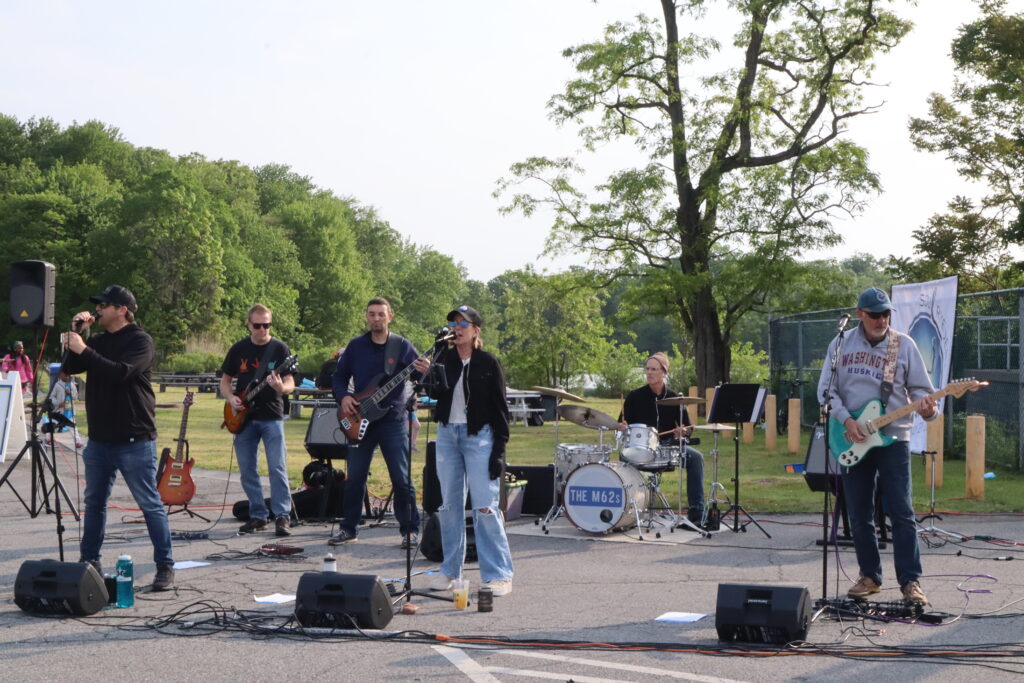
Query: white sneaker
column 440, row 583
column 499, row 587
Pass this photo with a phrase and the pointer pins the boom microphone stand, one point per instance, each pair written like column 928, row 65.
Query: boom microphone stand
column 439, row 347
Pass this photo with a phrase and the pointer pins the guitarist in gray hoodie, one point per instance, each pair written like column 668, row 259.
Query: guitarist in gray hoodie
column 878, row 369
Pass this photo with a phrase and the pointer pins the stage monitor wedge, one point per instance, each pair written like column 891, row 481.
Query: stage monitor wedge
column 52, row 587
column 336, row 600
column 32, row 292
column 762, row 614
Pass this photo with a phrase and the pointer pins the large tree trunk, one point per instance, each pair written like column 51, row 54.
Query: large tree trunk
column 711, row 354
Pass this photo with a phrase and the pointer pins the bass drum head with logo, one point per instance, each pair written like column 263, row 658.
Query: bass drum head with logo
column 599, row 497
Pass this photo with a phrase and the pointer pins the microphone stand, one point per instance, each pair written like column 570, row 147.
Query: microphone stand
column 823, row 602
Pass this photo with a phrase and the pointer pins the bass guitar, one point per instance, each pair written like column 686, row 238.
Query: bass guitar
column 235, row 421
column 371, row 398
column 175, row 479
column 872, row 417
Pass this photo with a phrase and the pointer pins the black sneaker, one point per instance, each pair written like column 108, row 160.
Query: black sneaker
column 410, row 541
column 164, row 578
column 344, row 536
column 695, row 515
column 282, row 527
column 252, row 525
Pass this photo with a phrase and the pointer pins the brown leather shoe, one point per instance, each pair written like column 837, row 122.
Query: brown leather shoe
column 912, row 593
column 864, row 587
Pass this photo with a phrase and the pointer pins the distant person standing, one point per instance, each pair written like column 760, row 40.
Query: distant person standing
column 121, row 411
column 19, row 361
column 251, row 360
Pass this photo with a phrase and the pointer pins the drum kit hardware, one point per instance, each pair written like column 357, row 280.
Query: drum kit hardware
column 599, row 495
column 712, row 515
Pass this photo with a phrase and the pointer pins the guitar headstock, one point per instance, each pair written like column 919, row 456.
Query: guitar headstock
column 959, row 387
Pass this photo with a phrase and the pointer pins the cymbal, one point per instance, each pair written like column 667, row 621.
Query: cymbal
column 587, row 417
column 558, row 393
column 716, row 427
column 679, row 401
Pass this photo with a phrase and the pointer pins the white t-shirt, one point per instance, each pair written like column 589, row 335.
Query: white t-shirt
column 457, row 415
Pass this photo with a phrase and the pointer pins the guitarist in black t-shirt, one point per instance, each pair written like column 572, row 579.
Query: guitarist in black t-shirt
column 259, row 358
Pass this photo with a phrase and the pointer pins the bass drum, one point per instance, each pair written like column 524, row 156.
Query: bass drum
column 600, row 497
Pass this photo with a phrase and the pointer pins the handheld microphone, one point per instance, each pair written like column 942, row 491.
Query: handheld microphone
column 843, row 322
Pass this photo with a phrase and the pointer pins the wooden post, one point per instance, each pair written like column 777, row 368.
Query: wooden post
column 709, row 394
column 974, row 471
column 771, row 415
column 935, row 442
column 793, row 428
column 748, row 432
column 694, row 392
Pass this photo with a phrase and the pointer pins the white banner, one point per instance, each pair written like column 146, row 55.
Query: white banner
column 13, row 432
column 927, row 312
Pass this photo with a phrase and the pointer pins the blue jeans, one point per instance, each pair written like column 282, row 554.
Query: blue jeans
column 694, row 479
column 136, row 461
column 247, row 443
column 393, row 439
column 891, row 465
column 461, row 465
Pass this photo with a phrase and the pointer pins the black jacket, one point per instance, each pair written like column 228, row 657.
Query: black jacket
column 119, row 400
column 486, row 384
column 641, row 407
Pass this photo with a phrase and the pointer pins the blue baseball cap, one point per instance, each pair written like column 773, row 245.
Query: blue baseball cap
column 874, row 300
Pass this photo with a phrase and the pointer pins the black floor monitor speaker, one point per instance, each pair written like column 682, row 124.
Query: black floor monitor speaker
column 819, row 467
column 32, row 290
column 336, row 600
column 762, row 614
column 52, row 587
column 324, row 438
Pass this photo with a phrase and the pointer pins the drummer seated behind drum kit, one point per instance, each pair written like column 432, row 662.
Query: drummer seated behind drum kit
column 599, row 495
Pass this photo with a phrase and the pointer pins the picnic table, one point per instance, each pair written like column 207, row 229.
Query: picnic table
column 309, row 397
column 525, row 406
column 205, row 382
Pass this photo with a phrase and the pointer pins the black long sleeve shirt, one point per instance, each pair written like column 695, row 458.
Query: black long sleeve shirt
column 119, row 400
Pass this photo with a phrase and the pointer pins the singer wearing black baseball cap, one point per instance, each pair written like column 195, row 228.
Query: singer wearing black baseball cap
column 121, row 411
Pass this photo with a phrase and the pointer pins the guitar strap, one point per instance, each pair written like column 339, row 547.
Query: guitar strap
column 889, row 374
column 392, row 348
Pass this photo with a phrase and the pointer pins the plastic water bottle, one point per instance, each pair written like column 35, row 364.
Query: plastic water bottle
column 330, row 564
column 125, row 581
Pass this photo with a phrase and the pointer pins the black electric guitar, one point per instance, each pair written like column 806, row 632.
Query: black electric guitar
column 235, row 421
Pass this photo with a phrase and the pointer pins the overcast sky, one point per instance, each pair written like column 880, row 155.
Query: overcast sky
column 415, row 108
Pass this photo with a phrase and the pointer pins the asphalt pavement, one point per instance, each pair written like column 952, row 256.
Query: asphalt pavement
column 569, row 590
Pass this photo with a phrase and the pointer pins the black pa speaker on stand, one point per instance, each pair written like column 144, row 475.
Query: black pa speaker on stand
column 342, row 601
column 762, row 614
column 32, row 289
column 53, row 587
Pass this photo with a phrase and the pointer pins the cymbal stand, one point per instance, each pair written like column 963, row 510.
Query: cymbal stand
column 557, row 509
column 932, row 515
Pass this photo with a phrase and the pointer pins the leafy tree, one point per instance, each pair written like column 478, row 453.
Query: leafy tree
column 554, row 332
column 979, row 128
column 748, row 161
column 621, row 370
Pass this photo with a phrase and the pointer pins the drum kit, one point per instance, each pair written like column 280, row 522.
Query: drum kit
column 599, row 495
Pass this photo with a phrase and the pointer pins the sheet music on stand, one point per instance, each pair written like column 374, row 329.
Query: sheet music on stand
column 737, row 403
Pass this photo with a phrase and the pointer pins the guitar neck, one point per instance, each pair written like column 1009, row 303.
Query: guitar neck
column 386, row 389
column 883, row 420
column 179, row 456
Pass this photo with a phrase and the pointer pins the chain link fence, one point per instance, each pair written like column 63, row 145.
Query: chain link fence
column 986, row 346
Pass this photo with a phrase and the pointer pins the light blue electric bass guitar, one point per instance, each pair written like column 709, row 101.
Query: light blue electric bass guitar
column 872, row 417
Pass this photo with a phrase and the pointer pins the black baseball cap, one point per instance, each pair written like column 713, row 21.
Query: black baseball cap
column 117, row 296
column 467, row 313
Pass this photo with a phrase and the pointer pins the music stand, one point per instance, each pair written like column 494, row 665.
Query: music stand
column 736, row 404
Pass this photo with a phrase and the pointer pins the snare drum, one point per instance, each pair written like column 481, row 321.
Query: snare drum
column 639, row 444
column 600, row 497
column 569, row 456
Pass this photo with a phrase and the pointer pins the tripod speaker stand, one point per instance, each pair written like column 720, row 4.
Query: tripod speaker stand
column 736, row 404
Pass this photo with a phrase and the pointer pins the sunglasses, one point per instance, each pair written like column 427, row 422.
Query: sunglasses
column 460, row 323
column 258, row 326
column 880, row 314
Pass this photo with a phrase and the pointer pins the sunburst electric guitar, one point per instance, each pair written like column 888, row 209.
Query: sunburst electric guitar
column 234, row 422
column 175, row 480
column 872, row 417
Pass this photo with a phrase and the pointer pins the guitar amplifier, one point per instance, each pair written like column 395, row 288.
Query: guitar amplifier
column 324, row 438
column 821, row 471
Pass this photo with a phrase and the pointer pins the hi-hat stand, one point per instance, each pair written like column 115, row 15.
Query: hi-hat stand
column 41, row 462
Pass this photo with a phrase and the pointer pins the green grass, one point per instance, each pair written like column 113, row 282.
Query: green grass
column 765, row 487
